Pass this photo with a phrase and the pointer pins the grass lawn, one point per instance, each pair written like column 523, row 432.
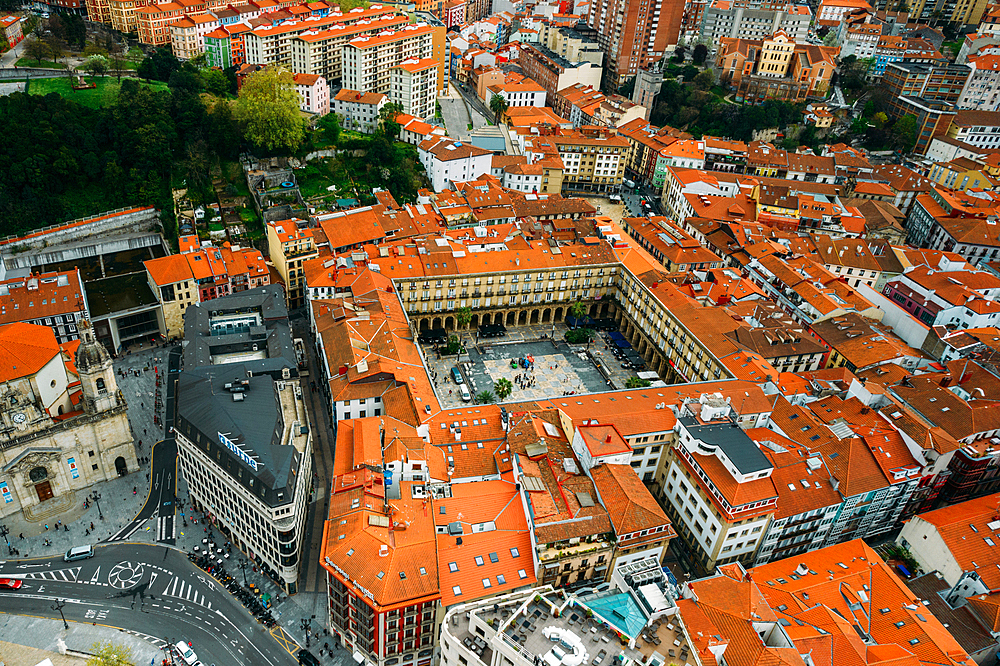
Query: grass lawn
column 92, row 97
column 134, row 57
column 28, row 62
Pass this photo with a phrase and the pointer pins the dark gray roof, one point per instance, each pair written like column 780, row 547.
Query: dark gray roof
column 736, row 444
column 120, row 293
column 961, row 622
column 274, row 336
column 206, row 409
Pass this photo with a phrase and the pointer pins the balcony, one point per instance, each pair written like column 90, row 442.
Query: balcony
column 555, row 554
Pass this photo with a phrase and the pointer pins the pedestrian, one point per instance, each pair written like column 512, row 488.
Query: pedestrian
column 86, row 532
column 22, row 536
column 92, row 527
column 46, row 527
column 66, row 528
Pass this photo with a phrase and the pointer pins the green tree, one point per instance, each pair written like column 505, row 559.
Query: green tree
column 626, row 89
column 57, row 47
column 36, row 49
column 904, row 133
column 485, row 398
column 704, row 80
column 329, row 125
column 268, row 110
column 214, row 81
column 579, row 336
column 158, row 66
column 106, row 653
column 634, row 382
column 387, row 120
column 578, row 309
column 96, row 65
column 699, row 54
column 464, row 316
column 503, row 388
column 679, row 54
column 499, row 106
column 454, row 345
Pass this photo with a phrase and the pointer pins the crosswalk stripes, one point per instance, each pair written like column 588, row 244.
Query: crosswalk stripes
column 65, row 575
column 183, row 590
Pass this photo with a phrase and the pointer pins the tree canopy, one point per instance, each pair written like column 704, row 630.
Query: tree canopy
column 268, row 110
column 106, row 653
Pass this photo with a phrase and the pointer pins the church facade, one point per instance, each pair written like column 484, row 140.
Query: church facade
column 63, row 421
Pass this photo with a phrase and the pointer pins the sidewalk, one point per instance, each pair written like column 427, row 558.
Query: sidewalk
column 50, row 636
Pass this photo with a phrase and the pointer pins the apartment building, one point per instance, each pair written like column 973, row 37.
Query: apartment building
column 555, row 72
column 979, row 128
column 633, row 34
column 930, row 82
column 368, row 60
column 243, row 436
column 56, row 299
column 517, row 90
column 314, row 93
column 962, row 13
column 201, row 274
column 718, row 490
column 187, row 34
column 835, row 11
column 959, row 299
column 775, row 68
column 447, row 161
column 676, row 249
column 289, row 247
column 319, row 50
column 954, row 222
column 593, row 161
column 753, row 20
column 359, row 111
column 154, row 22
column 413, row 85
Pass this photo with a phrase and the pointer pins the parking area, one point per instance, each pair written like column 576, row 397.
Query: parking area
column 554, row 367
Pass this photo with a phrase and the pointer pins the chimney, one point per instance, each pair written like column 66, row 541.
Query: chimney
column 608, row 439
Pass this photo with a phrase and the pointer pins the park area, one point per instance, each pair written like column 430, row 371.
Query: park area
column 103, row 95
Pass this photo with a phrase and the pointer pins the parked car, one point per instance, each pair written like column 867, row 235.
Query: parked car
column 11, row 583
column 456, row 374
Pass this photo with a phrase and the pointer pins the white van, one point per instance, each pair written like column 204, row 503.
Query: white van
column 466, row 396
column 186, row 653
column 78, row 553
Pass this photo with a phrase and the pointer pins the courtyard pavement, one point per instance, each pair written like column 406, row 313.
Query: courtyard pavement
column 559, row 368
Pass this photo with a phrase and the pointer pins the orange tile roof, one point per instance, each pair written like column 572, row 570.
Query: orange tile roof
column 40, row 295
column 630, row 506
column 852, row 582
column 170, row 269
column 25, row 349
column 964, row 528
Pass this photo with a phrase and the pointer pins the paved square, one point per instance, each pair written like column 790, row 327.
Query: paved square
column 552, row 376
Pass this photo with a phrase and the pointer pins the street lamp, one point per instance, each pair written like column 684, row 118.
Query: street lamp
column 58, row 605
column 96, row 496
column 243, row 564
column 4, row 532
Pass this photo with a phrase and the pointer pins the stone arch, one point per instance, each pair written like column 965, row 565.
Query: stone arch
column 474, row 322
column 546, row 315
column 436, row 322
column 604, row 310
column 558, row 315
column 424, row 324
column 593, row 310
column 522, row 318
column 449, row 323
column 485, row 319
column 38, row 474
column 533, row 318
column 511, row 318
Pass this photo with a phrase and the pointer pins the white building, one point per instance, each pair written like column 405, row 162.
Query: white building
column 982, row 88
column 187, row 34
column 447, row 161
column 414, row 86
column 314, row 93
column 524, row 92
column 368, row 60
column 358, row 111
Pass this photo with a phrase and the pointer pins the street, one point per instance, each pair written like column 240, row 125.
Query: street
column 457, row 115
column 153, row 591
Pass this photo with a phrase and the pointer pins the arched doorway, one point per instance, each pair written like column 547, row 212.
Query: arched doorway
column 43, row 487
column 558, row 315
column 449, row 323
column 424, row 325
column 474, row 322
column 121, row 466
column 534, row 316
column 510, row 318
column 436, row 323
column 522, row 318
column 546, row 315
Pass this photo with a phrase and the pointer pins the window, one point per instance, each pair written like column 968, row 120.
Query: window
column 479, row 561
column 493, row 558
column 452, row 567
column 501, row 580
column 513, row 551
column 522, row 574
column 456, row 590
